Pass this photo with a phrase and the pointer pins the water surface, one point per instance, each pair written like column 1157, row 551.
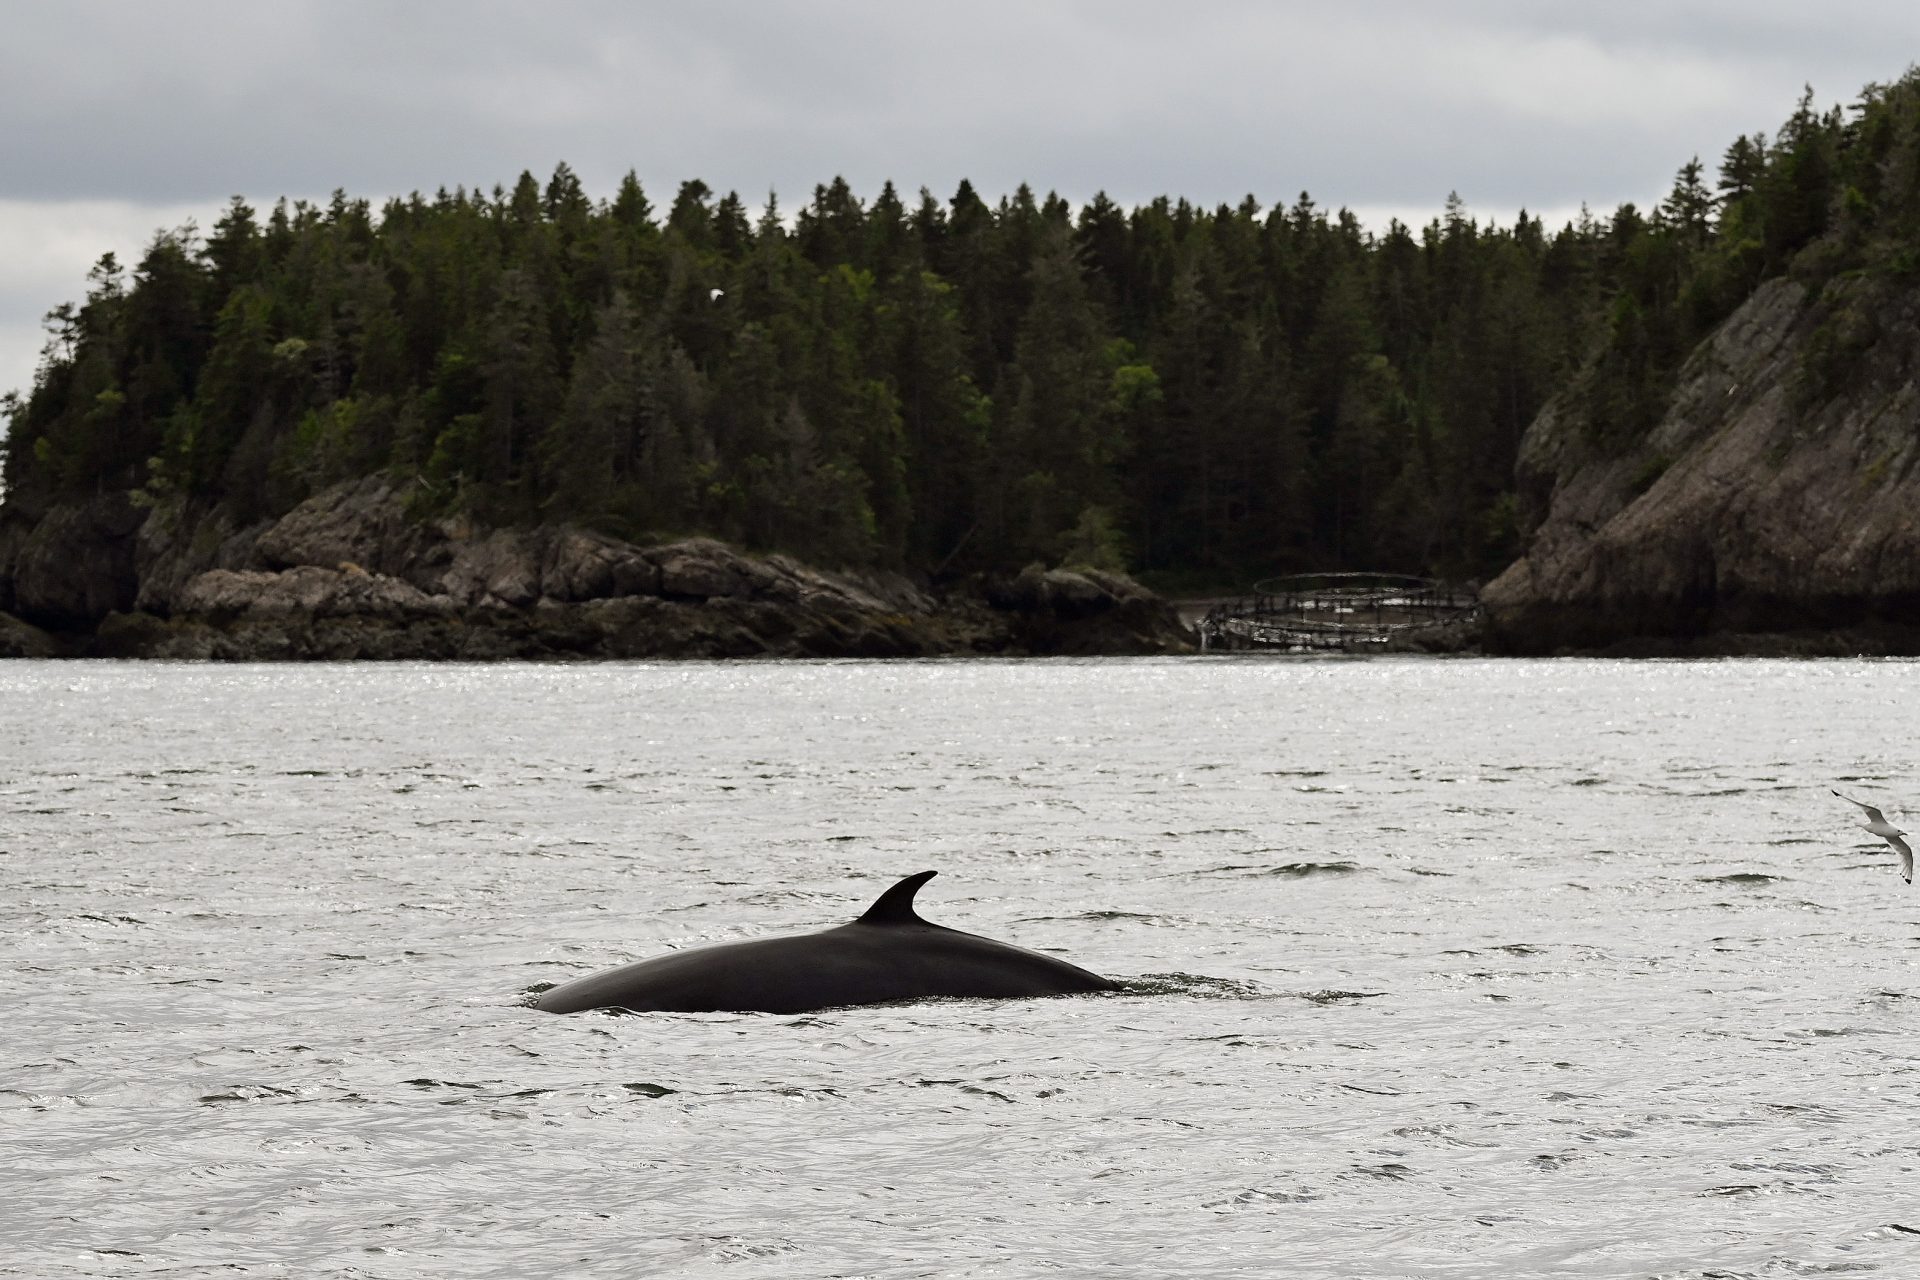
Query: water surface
column 1439, row 968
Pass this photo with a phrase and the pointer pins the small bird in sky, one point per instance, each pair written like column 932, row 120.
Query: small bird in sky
column 1878, row 824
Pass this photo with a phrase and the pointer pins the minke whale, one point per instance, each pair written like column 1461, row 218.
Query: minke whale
column 889, row 953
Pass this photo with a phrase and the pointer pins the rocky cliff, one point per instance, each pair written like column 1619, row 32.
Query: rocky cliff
column 1772, row 509
column 350, row 574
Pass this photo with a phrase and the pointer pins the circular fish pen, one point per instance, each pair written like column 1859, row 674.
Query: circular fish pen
column 1342, row 612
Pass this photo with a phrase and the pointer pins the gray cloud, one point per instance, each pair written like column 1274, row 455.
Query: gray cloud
column 1386, row 101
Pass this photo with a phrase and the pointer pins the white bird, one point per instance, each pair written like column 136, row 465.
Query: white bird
column 1878, row 824
column 714, row 295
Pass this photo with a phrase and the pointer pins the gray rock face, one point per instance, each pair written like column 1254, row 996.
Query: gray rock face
column 75, row 565
column 500, row 569
column 1753, row 506
column 578, row 565
column 175, row 546
column 701, row 569
column 1087, row 611
column 350, row 574
column 13, row 536
column 362, row 522
column 20, row 640
column 307, row 592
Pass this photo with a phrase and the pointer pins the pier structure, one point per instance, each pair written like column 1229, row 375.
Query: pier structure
column 1342, row 612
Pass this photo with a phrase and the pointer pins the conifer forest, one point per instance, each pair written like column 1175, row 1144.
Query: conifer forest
column 939, row 385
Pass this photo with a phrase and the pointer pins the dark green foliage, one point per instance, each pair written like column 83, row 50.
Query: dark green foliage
column 1834, row 350
column 942, row 388
column 1204, row 395
column 1826, row 196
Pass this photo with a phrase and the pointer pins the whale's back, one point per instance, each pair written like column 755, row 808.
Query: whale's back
column 858, row 963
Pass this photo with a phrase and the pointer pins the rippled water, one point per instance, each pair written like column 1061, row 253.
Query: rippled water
column 1439, row 968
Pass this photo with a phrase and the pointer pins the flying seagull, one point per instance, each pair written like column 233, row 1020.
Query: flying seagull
column 1878, row 824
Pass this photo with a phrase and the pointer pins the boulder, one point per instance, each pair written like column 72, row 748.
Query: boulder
column 703, row 569
column 578, row 565
column 178, row 543
column 363, row 522
column 23, row 640
column 77, row 564
column 1085, row 611
column 499, row 570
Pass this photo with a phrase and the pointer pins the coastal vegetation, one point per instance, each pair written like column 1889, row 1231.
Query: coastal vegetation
column 941, row 386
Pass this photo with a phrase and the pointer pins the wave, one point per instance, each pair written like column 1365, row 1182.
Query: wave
column 1290, row 870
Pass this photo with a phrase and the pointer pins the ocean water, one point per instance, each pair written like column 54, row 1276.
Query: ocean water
column 1435, row 968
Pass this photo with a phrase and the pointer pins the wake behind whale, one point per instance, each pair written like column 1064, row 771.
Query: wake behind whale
column 889, row 953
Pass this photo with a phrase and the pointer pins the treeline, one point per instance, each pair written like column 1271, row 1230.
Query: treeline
column 939, row 386
column 1832, row 196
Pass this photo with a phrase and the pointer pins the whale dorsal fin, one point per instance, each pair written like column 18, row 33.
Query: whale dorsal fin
column 895, row 906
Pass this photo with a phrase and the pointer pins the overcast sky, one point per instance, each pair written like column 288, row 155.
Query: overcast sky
column 118, row 117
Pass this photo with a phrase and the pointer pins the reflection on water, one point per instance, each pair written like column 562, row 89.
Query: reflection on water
column 1434, row 968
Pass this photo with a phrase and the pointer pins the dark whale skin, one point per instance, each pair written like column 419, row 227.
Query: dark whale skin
column 889, row 953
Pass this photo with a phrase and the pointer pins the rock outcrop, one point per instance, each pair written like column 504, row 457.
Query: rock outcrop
column 1775, row 507
column 72, row 566
column 351, row 574
column 21, row 640
column 1083, row 611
